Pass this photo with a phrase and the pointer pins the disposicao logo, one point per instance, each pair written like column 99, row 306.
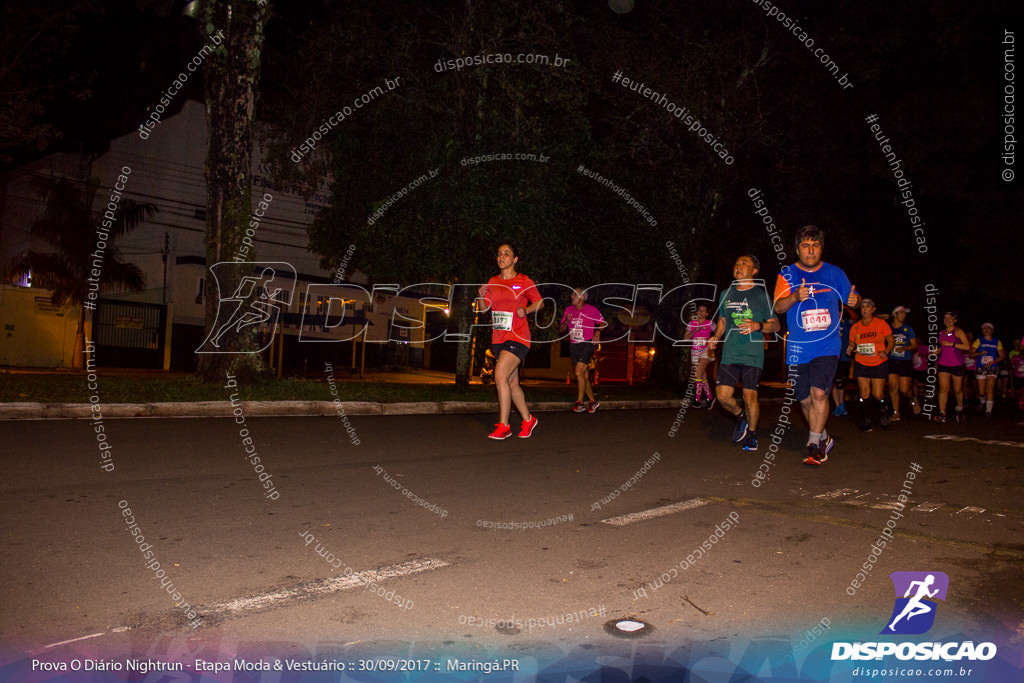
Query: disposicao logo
column 914, row 611
column 912, row 614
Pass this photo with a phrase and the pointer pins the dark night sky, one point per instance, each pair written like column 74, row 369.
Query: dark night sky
column 932, row 72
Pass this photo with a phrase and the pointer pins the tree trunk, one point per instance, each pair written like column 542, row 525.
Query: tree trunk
column 465, row 317
column 78, row 354
column 231, row 75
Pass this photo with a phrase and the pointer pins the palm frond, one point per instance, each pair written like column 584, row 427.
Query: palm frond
column 70, row 226
column 122, row 274
column 50, row 271
column 131, row 215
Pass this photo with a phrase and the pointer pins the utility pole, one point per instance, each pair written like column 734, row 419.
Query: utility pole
column 165, row 252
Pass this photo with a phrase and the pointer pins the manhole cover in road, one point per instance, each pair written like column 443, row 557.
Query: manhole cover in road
column 628, row 628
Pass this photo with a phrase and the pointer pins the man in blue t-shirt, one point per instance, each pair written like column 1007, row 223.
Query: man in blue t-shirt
column 811, row 294
column 901, row 363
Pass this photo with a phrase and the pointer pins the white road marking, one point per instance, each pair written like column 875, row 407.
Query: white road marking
column 75, row 640
column 320, row 586
column 838, row 493
column 986, row 442
column 859, row 500
column 655, row 512
column 884, row 502
column 888, row 505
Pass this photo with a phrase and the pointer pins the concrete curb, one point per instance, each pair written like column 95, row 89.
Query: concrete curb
column 66, row 411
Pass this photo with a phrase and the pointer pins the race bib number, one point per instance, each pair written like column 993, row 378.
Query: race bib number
column 502, row 320
column 866, row 349
column 816, row 320
column 576, row 334
column 985, row 360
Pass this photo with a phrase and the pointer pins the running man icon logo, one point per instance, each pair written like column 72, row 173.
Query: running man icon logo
column 263, row 292
column 914, row 612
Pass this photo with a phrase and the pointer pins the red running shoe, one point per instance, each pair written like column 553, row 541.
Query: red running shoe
column 528, row 427
column 814, row 455
column 500, row 432
column 578, row 407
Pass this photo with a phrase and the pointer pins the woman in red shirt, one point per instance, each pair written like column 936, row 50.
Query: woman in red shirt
column 510, row 297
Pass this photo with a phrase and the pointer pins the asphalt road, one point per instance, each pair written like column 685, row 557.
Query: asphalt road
column 72, row 570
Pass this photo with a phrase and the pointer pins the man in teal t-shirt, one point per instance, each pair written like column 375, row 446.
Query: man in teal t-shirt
column 745, row 316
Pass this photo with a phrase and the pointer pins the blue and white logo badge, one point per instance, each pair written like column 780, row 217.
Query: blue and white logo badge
column 914, row 612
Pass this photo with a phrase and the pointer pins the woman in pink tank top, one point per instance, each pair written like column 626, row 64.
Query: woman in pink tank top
column 952, row 344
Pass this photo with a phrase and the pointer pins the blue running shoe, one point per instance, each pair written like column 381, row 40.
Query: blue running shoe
column 739, row 432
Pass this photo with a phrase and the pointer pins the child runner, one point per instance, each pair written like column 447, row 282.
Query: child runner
column 699, row 331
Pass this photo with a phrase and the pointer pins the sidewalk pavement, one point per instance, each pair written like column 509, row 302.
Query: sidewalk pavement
column 342, row 374
column 770, row 393
column 39, row 411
